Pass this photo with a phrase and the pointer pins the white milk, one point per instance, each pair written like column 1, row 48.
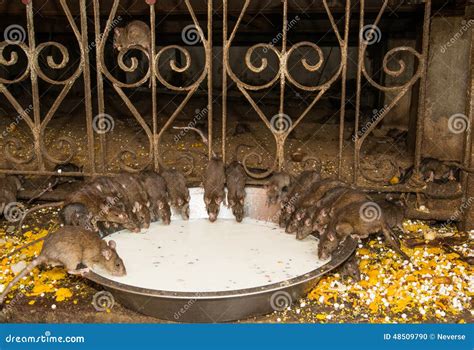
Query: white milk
column 199, row 256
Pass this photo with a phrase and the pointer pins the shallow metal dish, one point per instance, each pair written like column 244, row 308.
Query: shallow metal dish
column 229, row 305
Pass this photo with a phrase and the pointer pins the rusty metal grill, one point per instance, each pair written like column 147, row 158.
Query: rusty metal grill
column 96, row 144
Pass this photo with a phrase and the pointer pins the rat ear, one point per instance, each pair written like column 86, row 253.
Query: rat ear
column 307, row 222
column 180, row 201
column 105, row 208
column 161, row 205
column 117, row 31
column 344, row 229
column 207, row 200
column 242, row 201
column 331, row 237
column 112, row 244
column 218, row 200
column 106, row 253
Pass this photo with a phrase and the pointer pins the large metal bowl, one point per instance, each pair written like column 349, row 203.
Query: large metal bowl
column 229, row 305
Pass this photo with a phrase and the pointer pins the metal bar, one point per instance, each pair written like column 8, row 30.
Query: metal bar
column 360, row 62
column 420, row 125
column 34, row 85
column 224, row 80
column 343, row 86
column 210, row 56
column 100, row 83
column 467, row 180
column 154, row 109
column 87, row 85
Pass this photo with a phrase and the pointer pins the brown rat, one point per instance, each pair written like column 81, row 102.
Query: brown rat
column 214, row 184
column 157, row 195
column 103, row 203
column 321, row 193
column 135, row 33
column 359, row 219
column 236, row 179
column 136, row 196
column 9, row 186
column 277, row 187
column 177, row 190
column 302, row 182
column 73, row 247
column 213, row 180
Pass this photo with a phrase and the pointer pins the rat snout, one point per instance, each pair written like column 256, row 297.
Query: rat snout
column 322, row 254
column 212, row 217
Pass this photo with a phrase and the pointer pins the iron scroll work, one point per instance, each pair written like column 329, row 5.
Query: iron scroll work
column 38, row 153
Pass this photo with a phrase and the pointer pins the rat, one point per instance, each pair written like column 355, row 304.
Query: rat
column 310, row 198
column 436, row 170
column 178, row 191
column 213, row 180
column 308, row 224
column 277, row 187
column 323, row 217
column 135, row 33
column 102, row 202
column 136, row 196
column 58, row 180
column 349, row 221
column 314, row 196
column 350, row 268
column 158, row 196
column 9, row 186
column 302, row 182
column 73, row 247
column 236, row 178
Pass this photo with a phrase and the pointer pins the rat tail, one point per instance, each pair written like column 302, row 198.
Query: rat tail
column 200, row 133
column 38, row 261
column 393, row 241
column 46, row 189
column 38, row 207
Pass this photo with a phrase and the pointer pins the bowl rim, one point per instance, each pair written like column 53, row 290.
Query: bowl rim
column 343, row 252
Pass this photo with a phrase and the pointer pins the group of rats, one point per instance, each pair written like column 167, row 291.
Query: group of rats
column 132, row 201
column 332, row 210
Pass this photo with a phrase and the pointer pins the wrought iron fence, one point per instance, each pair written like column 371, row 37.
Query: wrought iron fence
column 97, row 156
